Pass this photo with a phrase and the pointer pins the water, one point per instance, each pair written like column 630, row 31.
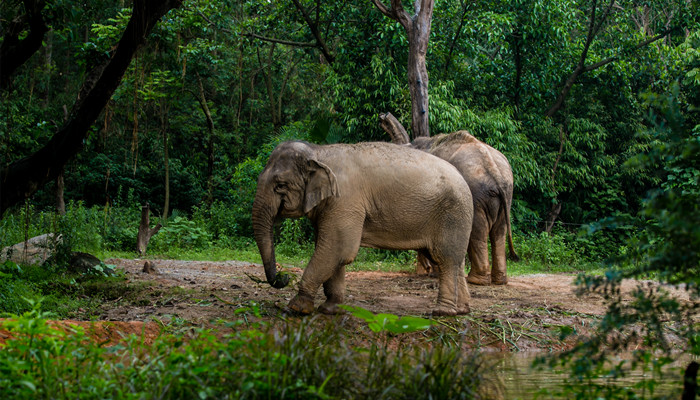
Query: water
column 521, row 381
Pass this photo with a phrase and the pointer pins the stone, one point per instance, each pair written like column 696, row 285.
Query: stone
column 34, row 251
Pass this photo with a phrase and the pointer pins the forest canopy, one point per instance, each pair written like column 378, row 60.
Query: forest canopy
column 558, row 87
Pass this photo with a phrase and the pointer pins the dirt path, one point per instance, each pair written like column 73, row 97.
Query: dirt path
column 526, row 314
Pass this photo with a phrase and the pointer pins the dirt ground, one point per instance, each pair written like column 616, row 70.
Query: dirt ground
column 527, row 311
column 525, row 314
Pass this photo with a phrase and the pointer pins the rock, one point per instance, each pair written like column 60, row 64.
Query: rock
column 84, row 262
column 32, row 252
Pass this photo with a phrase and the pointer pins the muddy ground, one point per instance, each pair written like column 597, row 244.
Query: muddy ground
column 526, row 314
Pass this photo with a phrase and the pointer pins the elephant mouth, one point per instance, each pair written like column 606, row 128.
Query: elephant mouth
column 289, row 208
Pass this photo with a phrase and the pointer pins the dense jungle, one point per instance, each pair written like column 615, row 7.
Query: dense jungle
column 133, row 133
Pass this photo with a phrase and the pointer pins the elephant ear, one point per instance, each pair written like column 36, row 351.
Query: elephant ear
column 321, row 184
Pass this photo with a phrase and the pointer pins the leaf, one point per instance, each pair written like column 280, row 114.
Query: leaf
column 389, row 322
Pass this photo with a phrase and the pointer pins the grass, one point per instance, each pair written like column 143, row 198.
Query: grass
column 367, row 260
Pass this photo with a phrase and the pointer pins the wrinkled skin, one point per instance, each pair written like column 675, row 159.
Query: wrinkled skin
column 490, row 179
column 368, row 194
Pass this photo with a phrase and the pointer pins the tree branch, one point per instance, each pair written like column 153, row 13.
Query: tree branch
column 396, row 12
column 314, row 31
column 280, row 41
column 383, row 9
column 637, row 47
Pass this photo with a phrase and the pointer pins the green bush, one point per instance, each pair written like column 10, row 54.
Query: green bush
column 221, row 221
column 295, row 237
column 180, row 234
column 301, row 360
column 548, row 250
column 13, row 292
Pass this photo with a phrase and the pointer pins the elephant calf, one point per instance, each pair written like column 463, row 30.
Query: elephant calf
column 377, row 195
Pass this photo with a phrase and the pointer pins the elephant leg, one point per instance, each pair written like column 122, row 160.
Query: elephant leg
column 498, row 252
column 424, row 265
column 453, row 293
column 335, row 248
column 479, row 250
column 334, row 289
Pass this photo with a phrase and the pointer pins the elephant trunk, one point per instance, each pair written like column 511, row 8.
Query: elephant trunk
column 264, row 214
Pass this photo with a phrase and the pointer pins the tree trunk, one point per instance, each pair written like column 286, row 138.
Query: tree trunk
column 552, row 216
column 145, row 230
column 210, row 143
column 418, row 32
column 393, row 127
column 418, row 83
column 60, row 202
column 166, row 161
column 23, row 178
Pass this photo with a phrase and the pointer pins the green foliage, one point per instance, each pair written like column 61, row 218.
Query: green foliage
column 180, row 233
column 548, row 250
column 62, row 292
column 295, row 238
column 388, row 322
column 13, row 292
column 254, row 362
column 665, row 249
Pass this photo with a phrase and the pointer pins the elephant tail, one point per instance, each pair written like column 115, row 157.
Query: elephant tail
column 506, row 203
column 513, row 255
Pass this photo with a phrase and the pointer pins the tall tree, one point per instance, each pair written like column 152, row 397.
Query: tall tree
column 418, row 31
column 14, row 52
column 24, row 177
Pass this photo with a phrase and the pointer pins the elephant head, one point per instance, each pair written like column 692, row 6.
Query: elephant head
column 292, row 184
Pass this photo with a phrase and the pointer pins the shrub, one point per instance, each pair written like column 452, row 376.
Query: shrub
column 300, row 360
column 180, row 233
column 548, row 250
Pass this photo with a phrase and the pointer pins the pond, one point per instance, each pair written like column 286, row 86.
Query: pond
column 522, row 381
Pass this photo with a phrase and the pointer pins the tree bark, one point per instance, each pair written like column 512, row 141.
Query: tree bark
column 145, row 231
column 268, row 84
column 23, row 178
column 418, row 32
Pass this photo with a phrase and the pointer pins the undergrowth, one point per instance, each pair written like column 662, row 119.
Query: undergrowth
column 298, row 360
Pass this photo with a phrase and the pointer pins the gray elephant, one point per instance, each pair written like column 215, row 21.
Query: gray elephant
column 377, row 195
column 490, row 179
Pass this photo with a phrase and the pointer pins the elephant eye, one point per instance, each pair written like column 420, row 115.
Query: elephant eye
column 280, row 186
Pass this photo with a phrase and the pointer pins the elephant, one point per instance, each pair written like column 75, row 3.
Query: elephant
column 490, row 178
column 379, row 195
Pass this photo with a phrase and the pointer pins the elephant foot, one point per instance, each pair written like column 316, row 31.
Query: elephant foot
column 329, row 308
column 479, row 280
column 301, row 305
column 444, row 311
column 500, row 281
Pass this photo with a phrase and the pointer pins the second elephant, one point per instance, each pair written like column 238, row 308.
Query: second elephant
column 490, row 178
